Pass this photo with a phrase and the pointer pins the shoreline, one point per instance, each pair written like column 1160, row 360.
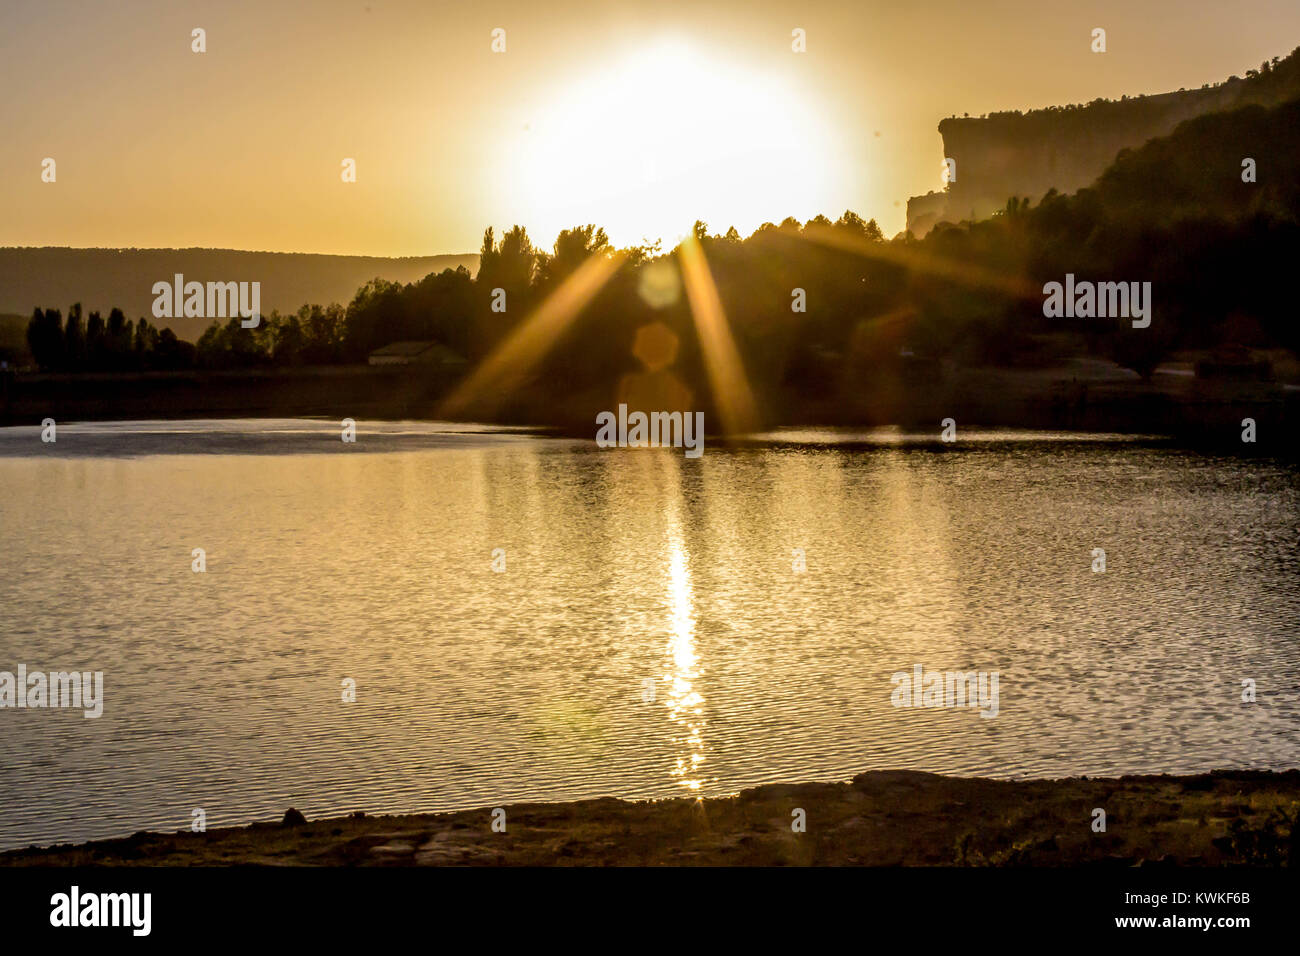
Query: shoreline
column 880, row 818
column 1178, row 409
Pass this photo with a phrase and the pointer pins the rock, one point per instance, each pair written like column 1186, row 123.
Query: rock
column 772, row 791
column 396, row 848
column 891, row 778
column 443, row 836
column 293, row 818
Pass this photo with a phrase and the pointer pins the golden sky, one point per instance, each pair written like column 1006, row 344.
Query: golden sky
column 638, row 115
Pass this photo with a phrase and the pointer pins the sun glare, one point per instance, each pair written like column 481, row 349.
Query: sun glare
column 665, row 136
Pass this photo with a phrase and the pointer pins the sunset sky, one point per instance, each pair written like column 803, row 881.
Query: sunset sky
column 638, row 115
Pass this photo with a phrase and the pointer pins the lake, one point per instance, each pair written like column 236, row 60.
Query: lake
column 531, row 618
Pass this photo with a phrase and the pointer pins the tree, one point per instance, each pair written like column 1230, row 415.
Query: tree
column 146, row 340
column 509, row 266
column 74, row 339
column 853, row 224
column 172, row 353
column 375, row 318
column 443, row 305
column 323, row 331
column 45, row 338
column 289, row 339
column 572, row 248
column 97, row 352
column 117, row 334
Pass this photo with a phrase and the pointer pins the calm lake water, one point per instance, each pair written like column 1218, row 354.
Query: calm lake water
column 475, row 688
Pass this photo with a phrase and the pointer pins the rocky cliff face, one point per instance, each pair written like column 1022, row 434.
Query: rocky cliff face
column 925, row 212
column 1066, row 148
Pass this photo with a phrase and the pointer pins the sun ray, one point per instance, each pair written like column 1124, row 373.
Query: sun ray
column 731, row 392
column 507, row 367
column 921, row 261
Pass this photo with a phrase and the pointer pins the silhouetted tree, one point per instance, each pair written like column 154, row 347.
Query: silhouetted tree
column 74, row 339
column 572, row 249
column 509, row 265
column 45, row 338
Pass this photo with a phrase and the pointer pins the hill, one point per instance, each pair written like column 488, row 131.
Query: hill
column 56, row 277
column 1199, row 168
column 1174, row 213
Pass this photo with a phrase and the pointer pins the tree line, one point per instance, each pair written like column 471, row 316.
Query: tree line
column 1176, row 212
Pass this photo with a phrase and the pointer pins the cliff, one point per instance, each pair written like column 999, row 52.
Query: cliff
column 1067, row 147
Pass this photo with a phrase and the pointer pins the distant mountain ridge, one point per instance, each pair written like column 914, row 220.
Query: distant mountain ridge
column 1066, row 148
column 55, row 277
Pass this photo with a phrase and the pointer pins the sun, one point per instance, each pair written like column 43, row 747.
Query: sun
column 659, row 138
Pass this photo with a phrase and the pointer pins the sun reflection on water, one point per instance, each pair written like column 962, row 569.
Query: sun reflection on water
column 685, row 703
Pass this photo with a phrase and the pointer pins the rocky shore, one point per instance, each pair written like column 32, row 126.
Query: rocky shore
column 882, row 818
